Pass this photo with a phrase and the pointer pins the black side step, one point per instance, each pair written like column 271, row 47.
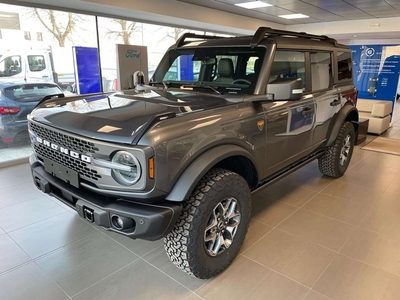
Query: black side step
column 274, row 178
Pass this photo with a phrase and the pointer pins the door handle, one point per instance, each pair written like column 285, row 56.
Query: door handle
column 335, row 102
column 307, row 111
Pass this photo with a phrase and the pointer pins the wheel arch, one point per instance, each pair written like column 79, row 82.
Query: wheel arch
column 230, row 157
column 348, row 113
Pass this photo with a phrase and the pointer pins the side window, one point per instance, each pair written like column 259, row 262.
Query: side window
column 288, row 64
column 36, row 63
column 10, row 66
column 321, row 70
column 345, row 66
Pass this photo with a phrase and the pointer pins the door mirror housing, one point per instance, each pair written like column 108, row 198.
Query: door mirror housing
column 289, row 89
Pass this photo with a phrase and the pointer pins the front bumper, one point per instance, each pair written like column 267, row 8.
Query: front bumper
column 150, row 221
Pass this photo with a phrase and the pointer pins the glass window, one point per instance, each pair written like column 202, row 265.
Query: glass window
column 252, row 65
column 288, row 64
column 27, row 35
column 31, row 92
column 39, row 36
column 36, row 63
column 321, row 70
column 10, row 66
column 345, row 66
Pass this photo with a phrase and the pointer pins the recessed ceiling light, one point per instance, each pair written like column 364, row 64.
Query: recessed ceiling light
column 252, row 5
column 294, row 16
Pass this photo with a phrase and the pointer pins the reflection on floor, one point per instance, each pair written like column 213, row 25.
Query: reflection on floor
column 15, row 152
column 311, row 237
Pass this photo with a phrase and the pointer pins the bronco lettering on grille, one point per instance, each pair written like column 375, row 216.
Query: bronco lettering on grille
column 61, row 149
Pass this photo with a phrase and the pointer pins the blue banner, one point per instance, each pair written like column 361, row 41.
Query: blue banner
column 87, row 70
column 376, row 71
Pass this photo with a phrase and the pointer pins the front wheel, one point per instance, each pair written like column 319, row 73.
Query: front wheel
column 337, row 157
column 213, row 225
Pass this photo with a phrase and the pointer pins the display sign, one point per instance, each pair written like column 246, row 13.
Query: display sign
column 130, row 59
column 376, row 71
column 87, row 70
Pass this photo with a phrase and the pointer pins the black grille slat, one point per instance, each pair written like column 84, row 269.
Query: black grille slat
column 70, row 143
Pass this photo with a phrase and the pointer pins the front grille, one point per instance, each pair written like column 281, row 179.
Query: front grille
column 70, row 143
column 64, row 140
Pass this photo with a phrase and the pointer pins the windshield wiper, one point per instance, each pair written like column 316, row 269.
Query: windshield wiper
column 165, row 84
column 214, row 89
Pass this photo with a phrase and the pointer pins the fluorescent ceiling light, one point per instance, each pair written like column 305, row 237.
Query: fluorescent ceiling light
column 254, row 4
column 293, row 16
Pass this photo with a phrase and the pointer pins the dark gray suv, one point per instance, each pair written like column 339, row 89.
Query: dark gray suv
column 179, row 158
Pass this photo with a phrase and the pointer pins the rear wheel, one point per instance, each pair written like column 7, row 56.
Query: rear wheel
column 213, row 225
column 336, row 158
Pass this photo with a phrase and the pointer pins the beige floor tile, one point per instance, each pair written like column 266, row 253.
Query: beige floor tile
column 245, row 279
column 336, row 208
column 347, row 278
column 383, row 222
column 312, row 180
column 256, row 231
column 389, row 202
column 269, row 211
column 394, row 186
column 313, row 295
column 194, row 297
column 318, row 229
column 375, row 167
column 382, row 159
column 374, row 249
column 376, row 181
column 293, row 195
column 353, row 192
column 291, row 256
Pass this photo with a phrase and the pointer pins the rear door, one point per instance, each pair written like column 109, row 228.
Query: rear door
column 23, row 98
column 38, row 66
column 327, row 97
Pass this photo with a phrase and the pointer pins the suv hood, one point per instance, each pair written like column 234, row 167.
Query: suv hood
column 120, row 117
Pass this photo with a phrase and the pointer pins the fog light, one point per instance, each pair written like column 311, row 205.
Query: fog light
column 121, row 223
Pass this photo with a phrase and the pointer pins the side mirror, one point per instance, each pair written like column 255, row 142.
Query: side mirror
column 290, row 89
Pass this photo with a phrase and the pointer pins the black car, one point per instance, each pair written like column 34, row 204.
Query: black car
column 17, row 100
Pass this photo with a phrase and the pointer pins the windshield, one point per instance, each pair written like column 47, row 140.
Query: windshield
column 31, row 92
column 222, row 70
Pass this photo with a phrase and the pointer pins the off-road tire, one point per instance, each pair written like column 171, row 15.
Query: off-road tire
column 329, row 163
column 185, row 244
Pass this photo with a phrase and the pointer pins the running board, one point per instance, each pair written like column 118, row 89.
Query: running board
column 279, row 176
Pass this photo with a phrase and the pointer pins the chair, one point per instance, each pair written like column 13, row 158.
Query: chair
column 225, row 71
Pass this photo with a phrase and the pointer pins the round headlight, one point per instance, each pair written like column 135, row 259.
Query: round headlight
column 126, row 177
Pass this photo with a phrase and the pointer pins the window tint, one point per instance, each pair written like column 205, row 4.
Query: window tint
column 288, row 64
column 36, row 63
column 10, row 66
column 345, row 66
column 321, row 70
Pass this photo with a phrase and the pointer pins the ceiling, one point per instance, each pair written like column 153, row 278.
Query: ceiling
column 317, row 10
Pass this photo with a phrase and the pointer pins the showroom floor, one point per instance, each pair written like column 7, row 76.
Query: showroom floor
column 311, row 237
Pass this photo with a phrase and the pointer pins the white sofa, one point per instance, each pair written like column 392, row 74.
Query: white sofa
column 378, row 113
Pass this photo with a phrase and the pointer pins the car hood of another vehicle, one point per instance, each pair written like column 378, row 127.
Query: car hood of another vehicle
column 121, row 117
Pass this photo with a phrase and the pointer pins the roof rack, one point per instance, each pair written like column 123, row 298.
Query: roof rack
column 262, row 31
column 187, row 35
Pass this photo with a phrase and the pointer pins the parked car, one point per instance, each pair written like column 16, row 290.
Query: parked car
column 17, row 100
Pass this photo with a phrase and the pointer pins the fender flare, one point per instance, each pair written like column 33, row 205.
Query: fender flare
column 341, row 117
column 197, row 169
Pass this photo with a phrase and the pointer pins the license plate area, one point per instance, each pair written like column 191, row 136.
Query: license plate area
column 61, row 172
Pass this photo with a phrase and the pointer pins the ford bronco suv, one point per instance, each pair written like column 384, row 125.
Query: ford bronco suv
column 178, row 158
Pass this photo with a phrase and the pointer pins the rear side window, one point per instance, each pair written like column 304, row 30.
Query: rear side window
column 345, row 66
column 288, row 64
column 30, row 92
column 321, row 70
column 36, row 63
